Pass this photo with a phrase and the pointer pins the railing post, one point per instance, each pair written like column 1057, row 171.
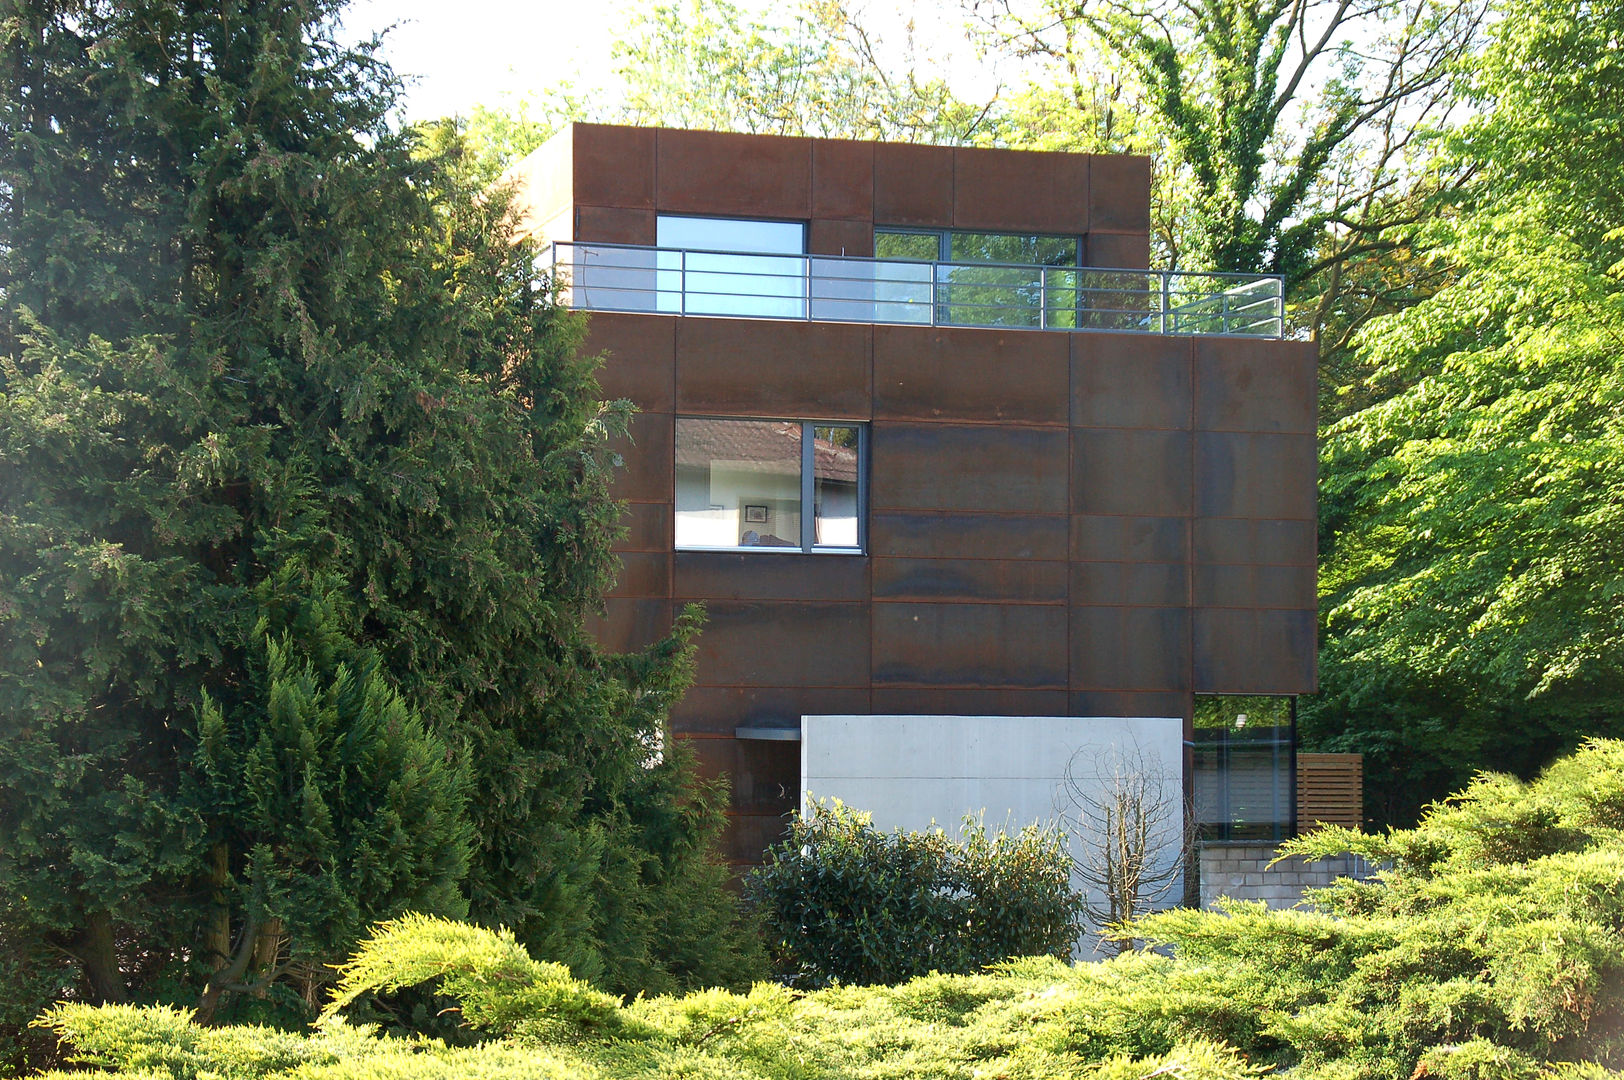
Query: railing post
column 806, row 299
column 935, row 314
column 1043, row 298
column 1166, row 276
column 682, row 281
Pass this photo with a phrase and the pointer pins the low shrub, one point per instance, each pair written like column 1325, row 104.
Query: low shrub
column 843, row 902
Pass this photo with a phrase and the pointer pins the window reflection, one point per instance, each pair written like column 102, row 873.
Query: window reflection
column 982, row 278
column 744, row 484
column 731, row 266
column 834, row 486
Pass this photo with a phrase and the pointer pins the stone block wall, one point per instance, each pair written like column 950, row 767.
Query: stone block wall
column 1242, row 872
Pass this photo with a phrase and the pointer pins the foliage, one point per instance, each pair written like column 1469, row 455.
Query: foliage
column 842, row 901
column 1489, row 949
column 1471, row 525
column 1284, row 127
column 303, row 499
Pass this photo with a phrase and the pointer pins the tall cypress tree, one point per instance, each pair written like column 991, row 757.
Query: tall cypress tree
column 302, row 501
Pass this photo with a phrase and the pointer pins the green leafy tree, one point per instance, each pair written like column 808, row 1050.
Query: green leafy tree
column 1292, row 121
column 1472, row 534
column 303, row 497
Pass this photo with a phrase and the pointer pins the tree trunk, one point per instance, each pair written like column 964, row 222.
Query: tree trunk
column 98, row 957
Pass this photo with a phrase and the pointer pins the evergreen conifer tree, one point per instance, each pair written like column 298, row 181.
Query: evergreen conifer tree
column 303, row 497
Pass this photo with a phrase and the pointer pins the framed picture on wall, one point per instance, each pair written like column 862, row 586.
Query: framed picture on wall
column 755, row 514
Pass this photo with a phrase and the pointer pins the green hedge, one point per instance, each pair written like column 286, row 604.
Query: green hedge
column 844, row 902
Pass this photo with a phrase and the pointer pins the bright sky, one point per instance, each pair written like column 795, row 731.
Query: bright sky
column 462, row 53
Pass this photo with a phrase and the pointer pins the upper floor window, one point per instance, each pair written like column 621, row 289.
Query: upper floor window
column 773, row 485
column 983, row 278
column 731, row 266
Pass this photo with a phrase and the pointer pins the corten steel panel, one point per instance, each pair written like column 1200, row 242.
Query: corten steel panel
column 930, row 534
column 1024, row 580
column 639, row 357
column 950, row 467
column 1119, row 193
column 713, row 757
column 1149, row 584
column 722, row 709
column 614, row 166
column 764, row 367
column 1096, row 538
column 710, row 172
column 982, row 645
column 630, row 623
column 1245, row 385
column 842, row 179
column 648, row 527
column 1244, row 474
column 1254, row 652
column 1247, row 540
column 1130, row 381
column 613, row 225
column 783, row 643
column 1125, row 703
column 647, row 475
column 950, row 373
column 923, row 701
column 1020, row 191
column 643, row 573
column 1129, row 648
column 1255, row 586
column 754, row 575
column 1143, row 473
column 1122, row 251
column 826, row 236
column 913, row 185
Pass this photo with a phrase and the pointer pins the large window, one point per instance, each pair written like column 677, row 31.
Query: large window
column 770, row 485
column 731, row 266
column 982, row 278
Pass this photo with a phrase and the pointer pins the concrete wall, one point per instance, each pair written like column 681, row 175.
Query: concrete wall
column 919, row 772
column 1242, row 872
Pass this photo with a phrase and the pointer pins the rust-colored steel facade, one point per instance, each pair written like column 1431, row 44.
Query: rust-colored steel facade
column 1058, row 523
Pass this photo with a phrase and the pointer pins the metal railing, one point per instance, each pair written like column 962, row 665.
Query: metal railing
column 844, row 288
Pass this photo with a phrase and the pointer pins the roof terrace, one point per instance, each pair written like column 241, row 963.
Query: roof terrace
column 844, row 288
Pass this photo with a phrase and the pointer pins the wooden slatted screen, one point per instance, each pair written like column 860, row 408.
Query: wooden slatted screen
column 1330, row 790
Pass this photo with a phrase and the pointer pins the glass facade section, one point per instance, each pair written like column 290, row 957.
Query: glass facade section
column 731, row 266
column 984, row 278
column 771, row 485
column 1243, row 756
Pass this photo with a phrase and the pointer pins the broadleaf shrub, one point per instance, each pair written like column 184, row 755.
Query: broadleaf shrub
column 844, row 902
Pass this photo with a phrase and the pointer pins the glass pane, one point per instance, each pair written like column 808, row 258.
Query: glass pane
column 1242, row 754
column 907, row 245
column 836, row 469
column 738, row 484
column 718, row 271
column 1013, row 248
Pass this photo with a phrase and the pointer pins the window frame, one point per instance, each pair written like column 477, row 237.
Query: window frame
column 808, row 486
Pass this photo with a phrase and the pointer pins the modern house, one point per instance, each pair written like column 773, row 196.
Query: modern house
column 962, row 485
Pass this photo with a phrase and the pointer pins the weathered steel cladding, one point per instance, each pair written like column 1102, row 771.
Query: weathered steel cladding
column 606, row 183
column 1088, row 523
column 977, row 526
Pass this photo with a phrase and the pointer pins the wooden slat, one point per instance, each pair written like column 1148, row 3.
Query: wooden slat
column 1330, row 790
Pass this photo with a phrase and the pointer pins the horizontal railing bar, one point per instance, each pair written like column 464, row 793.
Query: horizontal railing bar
column 919, row 292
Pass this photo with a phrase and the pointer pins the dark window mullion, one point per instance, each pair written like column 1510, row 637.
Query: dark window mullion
column 808, row 463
